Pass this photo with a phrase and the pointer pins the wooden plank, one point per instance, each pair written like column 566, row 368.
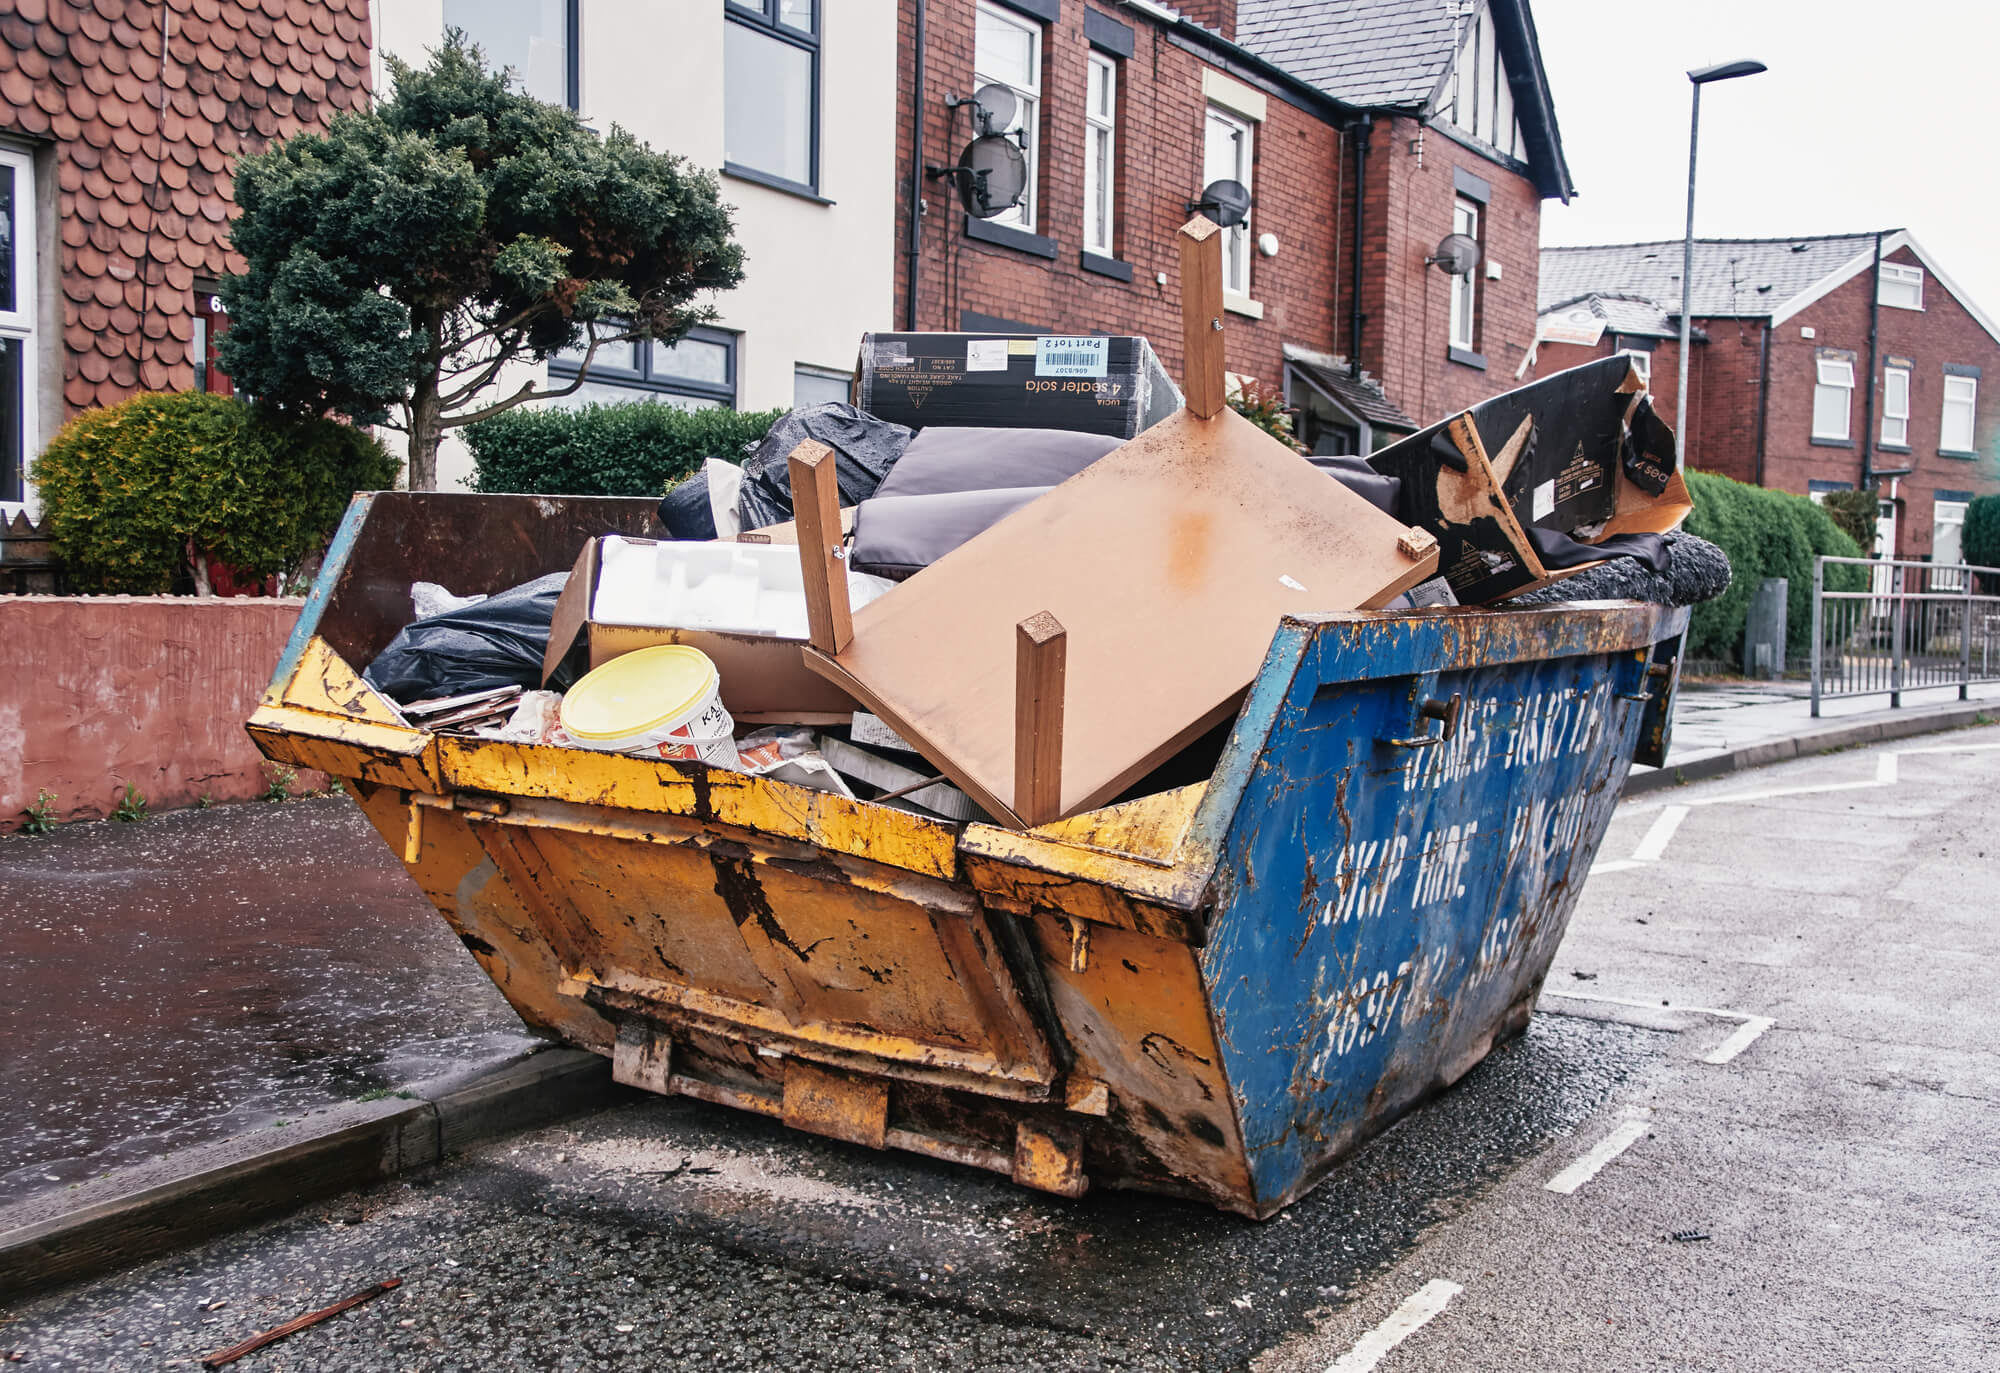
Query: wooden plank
column 1040, row 654
column 1489, row 476
column 1201, row 316
column 1169, row 561
column 822, row 555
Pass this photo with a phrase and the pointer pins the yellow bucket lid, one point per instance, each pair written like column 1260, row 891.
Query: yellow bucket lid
column 638, row 692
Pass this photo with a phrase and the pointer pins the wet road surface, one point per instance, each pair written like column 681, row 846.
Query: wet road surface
column 211, row 971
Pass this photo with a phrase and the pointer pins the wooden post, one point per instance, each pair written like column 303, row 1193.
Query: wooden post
column 1041, row 656
column 1201, row 316
column 822, row 555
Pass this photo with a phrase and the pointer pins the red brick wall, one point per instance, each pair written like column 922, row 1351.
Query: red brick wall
column 1304, row 188
column 1942, row 332
column 1219, row 15
column 143, row 151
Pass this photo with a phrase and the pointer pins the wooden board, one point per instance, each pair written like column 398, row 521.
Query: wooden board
column 1168, row 562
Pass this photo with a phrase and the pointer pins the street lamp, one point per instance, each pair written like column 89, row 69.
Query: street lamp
column 1724, row 72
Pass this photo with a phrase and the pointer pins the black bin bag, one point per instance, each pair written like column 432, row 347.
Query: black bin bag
column 864, row 448
column 497, row 642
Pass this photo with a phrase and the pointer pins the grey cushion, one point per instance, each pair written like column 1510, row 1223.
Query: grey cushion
column 895, row 536
column 943, row 458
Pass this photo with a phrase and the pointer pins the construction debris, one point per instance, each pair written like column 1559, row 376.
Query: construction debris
column 292, row 1327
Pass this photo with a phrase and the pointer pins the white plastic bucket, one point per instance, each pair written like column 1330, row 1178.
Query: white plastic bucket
column 659, row 702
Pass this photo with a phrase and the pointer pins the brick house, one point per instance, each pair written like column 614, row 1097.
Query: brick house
column 1817, row 364
column 115, row 184
column 1366, row 131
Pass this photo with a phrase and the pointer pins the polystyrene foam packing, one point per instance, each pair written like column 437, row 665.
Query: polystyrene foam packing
column 732, row 588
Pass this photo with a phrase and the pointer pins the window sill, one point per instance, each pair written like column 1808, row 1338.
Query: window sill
column 1106, row 266
column 1465, row 357
column 1959, row 453
column 1887, row 447
column 774, row 183
column 1242, row 305
column 1818, row 442
column 1007, row 236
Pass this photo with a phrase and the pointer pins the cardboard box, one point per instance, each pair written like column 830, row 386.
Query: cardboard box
column 761, row 675
column 1552, row 454
column 1099, row 385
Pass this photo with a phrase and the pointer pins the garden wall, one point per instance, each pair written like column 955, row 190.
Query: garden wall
column 101, row 691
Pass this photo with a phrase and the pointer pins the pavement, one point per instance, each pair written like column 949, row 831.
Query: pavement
column 1841, row 1165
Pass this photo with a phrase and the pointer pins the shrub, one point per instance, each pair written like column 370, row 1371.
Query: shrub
column 1264, row 406
column 1856, row 513
column 142, row 495
column 1765, row 534
column 1982, row 532
column 606, row 450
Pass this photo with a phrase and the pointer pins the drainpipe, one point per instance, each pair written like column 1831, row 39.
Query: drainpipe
column 1361, row 133
column 916, row 239
column 1868, row 407
column 1763, row 395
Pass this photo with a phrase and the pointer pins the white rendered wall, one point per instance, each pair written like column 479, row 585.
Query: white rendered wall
column 816, row 277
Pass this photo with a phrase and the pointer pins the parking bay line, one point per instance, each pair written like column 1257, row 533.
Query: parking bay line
column 1606, row 1149
column 1748, row 1026
column 1416, row 1311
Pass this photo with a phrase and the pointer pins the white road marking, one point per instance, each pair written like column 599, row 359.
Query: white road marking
column 1773, row 793
column 1885, row 769
column 1952, row 748
column 1746, row 1035
column 1608, row 1148
column 1660, row 835
column 1615, row 865
column 1406, row 1320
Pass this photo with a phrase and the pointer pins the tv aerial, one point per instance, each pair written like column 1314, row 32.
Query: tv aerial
column 991, row 174
column 1226, row 202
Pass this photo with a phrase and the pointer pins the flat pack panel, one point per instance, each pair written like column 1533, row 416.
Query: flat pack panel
column 1168, row 562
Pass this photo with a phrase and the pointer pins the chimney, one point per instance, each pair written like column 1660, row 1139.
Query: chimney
column 1219, row 15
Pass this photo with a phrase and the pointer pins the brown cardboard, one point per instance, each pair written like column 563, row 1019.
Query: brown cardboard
column 760, row 675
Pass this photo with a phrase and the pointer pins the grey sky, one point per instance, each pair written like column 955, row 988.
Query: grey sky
column 1872, row 116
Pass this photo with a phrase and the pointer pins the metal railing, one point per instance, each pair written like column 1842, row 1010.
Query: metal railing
column 1883, row 626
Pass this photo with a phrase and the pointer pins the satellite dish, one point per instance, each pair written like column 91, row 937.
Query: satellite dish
column 1458, row 254
column 1226, row 202
column 994, row 107
column 991, row 174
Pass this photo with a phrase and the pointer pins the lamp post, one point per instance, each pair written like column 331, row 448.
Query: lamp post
column 1699, row 78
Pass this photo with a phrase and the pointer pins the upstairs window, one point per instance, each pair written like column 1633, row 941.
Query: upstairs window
column 1227, row 156
column 535, row 39
column 1833, row 399
column 1902, row 287
column 1465, row 289
column 19, row 439
column 1961, row 401
column 1100, row 154
column 1007, row 50
column 770, row 92
column 1896, row 406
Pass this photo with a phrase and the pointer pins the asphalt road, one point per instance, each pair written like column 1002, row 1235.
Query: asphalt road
column 1803, row 1085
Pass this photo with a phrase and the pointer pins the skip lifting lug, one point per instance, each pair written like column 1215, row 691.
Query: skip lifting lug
column 1656, row 673
column 1446, row 712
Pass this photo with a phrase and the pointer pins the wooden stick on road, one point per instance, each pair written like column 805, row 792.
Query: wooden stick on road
column 298, row 1323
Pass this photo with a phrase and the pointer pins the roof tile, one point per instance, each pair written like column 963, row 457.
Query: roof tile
column 1732, row 276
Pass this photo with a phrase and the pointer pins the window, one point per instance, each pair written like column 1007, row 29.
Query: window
column 770, row 92
column 1227, row 156
column 697, row 373
column 535, row 39
column 1896, row 406
column 1948, row 532
column 18, row 437
column 818, row 386
column 211, row 322
column 1961, row 399
column 1007, row 50
column 1465, row 289
column 1642, row 362
column 1100, row 154
column 1902, row 287
column 1832, row 399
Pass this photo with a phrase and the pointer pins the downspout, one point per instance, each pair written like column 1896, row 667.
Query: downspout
column 1362, row 131
column 1763, row 395
column 1868, row 407
column 916, row 240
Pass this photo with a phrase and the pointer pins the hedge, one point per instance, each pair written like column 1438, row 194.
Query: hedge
column 606, row 450
column 1765, row 534
column 140, row 494
column 1982, row 532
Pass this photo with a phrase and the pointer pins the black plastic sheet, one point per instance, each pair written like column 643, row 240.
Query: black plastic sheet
column 497, row 642
column 864, row 447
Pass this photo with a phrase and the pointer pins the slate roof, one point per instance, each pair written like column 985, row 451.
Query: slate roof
column 1732, row 276
column 1369, row 53
column 1361, row 395
column 144, row 153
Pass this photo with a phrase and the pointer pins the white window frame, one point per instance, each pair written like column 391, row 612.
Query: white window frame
column 1827, row 378
column 1895, row 277
column 21, row 323
column 1465, row 289
column 1642, row 360
column 1947, row 513
column 1100, row 155
column 1895, row 409
column 1969, row 400
column 1236, row 238
column 1028, row 103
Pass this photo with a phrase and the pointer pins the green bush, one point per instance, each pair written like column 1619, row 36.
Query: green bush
column 141, row 494
column 1856, row 513
column 606, row 450
column 1982, row 532
column 1765, row 534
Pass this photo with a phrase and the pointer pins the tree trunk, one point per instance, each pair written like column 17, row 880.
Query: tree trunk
column 426, row 429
